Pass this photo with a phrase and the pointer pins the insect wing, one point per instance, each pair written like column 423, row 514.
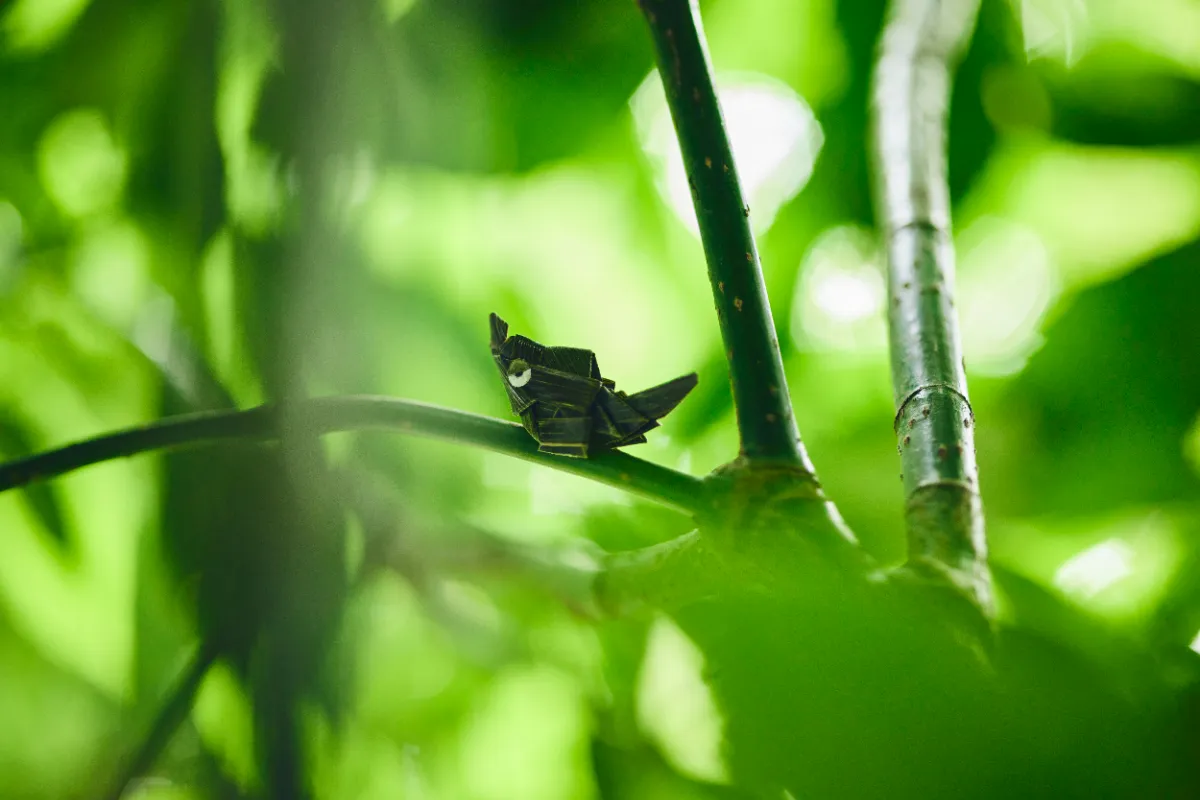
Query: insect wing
column 605, row 432
column 626, row 419
column 658, row 401
column 562, row 389
column 565, row 436
column 576, row 360
column 499, row 332
column 524, row 348
column 529, row 420
column 518, row 399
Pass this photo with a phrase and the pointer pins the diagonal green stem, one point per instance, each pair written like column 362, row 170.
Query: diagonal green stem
column 760, row 393
column 333, row 414
column 170, row 716
column 934, row 421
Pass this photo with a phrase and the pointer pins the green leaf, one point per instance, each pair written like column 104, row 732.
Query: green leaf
column 850, row 689
column 1098, row 418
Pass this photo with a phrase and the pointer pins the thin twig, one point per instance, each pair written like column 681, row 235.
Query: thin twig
column 934, row 422
column 760, row 393
column 334, row 414
column 171, row 714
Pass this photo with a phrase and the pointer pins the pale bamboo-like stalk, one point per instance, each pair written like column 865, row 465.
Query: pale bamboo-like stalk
column 934, row 422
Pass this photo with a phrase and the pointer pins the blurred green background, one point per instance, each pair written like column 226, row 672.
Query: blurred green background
column 516, row 156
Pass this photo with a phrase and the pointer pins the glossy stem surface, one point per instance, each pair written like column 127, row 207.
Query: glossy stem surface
column 934, row 422
column 764, row 411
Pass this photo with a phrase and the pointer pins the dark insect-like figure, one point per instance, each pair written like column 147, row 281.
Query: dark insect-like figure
column 565, row 404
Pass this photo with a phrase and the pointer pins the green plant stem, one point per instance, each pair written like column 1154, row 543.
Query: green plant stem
column 334, row 414
column 934, row 422
column 760, row 393
column 171, row 714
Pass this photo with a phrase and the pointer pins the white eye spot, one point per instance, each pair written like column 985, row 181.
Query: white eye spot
column 521, row 378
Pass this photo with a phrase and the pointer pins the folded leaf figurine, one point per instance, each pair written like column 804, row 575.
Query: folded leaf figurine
column 566, row 406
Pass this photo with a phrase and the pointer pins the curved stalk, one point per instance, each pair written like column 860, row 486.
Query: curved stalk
column 334, row 414
column 760, row 393
column 934, row 422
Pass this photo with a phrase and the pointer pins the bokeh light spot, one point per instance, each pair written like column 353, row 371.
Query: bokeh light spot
column 1005, row 286
column 393, row 10
column 223, row 719
column 839, row 298
column 527, row 739
column 1191, row 445
column 1169, row 29
column 1055, row 29
column 676, row 708
column 773, row 133
column 1095, row 569
column 34, row 25
column 1100, row 211
column 110, row 273
column 12, row 234
column 81, row 165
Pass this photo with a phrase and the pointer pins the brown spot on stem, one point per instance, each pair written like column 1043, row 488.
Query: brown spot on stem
column 958, row 448
column 774, row 390
column 925, row 411
column 676, row 61
column 737, row 303
column 771, row 417
column 721, row 286
column 941, row 452
column 725, row 168
column 907, row 440
column 966, row 422
column 912, row 421
column 625, row 477
column 708, row 162
column 729, row 354
column 749, row 257
column 746, row 210
column 907, row 284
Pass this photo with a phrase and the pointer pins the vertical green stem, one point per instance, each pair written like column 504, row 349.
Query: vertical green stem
column 934, row 422
column 764, row 411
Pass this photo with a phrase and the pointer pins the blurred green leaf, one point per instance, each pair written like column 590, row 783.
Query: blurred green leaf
column 1118, row 97
column 46, row 755
column 1109, row 397
column 486, row 156
column 883, row 693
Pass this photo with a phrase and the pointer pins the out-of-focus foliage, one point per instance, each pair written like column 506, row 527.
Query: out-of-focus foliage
column 516, row 157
